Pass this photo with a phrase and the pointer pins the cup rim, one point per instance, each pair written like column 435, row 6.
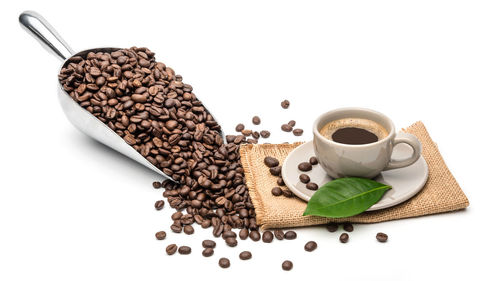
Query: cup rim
column 322, row 116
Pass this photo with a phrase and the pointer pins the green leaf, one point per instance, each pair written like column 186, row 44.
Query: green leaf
column 345, row 197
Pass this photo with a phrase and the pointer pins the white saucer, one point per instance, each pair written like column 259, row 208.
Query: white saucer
column 405, row 182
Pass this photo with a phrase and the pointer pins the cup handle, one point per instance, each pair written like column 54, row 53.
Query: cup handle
column 414, row 143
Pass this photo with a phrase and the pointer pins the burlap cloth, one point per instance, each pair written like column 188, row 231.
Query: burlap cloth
column 440, row 194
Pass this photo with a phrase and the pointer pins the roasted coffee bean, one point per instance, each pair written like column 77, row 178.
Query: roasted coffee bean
column 256, row 120
column 312, row 186
column 297, row 132
column 255, row 235
column 231, row 241
column 265, row 134
column 240, row 127
column 286, row 128
column 305, row 166
column 159, row 204
column 276, row 191
column 348, row 227
column 208, row 244
column 271, row 161
column 382, row 237
column 304, row 178
column 177, row 228
column 279, row 234
column 332, row 227
column 176, row 216
column 287, row 193
column 290, row 235
column 245, row 255
column 285, row 104
column 310, row 246
column 171, row 249
column 156, row 184
column 227, row 234
column 207, row 252
column 224, row 262
column 188, row 229
column 313, row 160
column 275, row 171
column 267, row 236
column 246, row 133
column 184, row 250
column 243, row 233
column 280, row 181
column 287, row 265
column 344, row 237
column 291, row 123
column 160, row 235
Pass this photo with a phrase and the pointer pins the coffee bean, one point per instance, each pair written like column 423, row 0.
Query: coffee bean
column 280, row 181
column 224, row 262
column 271, row 161
column 313, row 160
column 279, row 234
column 285, row 104
column 160, row 235
column 348, row 227
column 312, row 186
column 297, row 132
column 184, row 250
column 344, row 237
column 246, row 133
column 275, row 171
column 208, row 244
column 156, row 184
column 287, row 265
column 159, row 204
column 267, row 236
column 176, row 228
column 276, row 191
column 382, row 237
column 310, row 246
column 255, row 135
column 240, row 127
column 176, row 216
column 286, row 128
column 243, row 233
column 171, row 249
column 255, row 235
column 208, row 252
column 245, row 255
column 287, row 193
column 304, row 178
column 256, row 120
column 231, row 242
column 290, row 235
column 227, row 234
column 304, row 166
column 188, row 229
column 265, row 134
column 332, row 227
column 291, row 123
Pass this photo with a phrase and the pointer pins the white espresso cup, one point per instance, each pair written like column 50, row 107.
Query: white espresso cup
column 361, row 160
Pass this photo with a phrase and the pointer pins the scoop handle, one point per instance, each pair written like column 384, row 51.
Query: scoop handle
column 44, row 33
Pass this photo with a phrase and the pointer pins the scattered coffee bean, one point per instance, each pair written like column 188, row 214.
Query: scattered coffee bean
column 287, row 265
column 188, row 229
column 286, row 128
column 243, row 233
column 265, row 134
column 279, row 234
column 240, row 127
column 267, row 236
column 159, row 204
column 310, row 246
column 171, row 249
column 304, row 178
column 184, row 250
column 382, row 237
column 207, row 252
column 245, row 255
column 160, row 235
column 246, row 133
column 305, row 166
column 332, row 227
column 227, row 234
column 280, row 181
column 276, row 191
column 271, row 161
column 224, row 262
column 287, row 193
column 290, row 235
column 176, row 216
column 285, row 104
column 208, row 244
column 297, row 132
column 256, row 120
column 255, row 235
column 255, row 135
column 313, row 160
column 231, row 242
column 312, row 186
column 348, row 227
column 275, row 171
column 177, row 228
column 291, row 123
column 156, row 184
column 344, row 237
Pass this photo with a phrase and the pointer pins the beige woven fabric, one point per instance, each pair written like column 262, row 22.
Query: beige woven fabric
column 440, row 194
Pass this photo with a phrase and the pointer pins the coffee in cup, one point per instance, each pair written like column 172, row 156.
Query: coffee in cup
column 354, row 131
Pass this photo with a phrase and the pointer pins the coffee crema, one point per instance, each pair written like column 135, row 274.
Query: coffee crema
column 353, row 131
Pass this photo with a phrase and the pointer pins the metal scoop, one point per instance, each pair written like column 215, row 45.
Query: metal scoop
column 87, row 123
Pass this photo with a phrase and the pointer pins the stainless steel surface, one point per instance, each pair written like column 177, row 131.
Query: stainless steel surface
column 83, row 120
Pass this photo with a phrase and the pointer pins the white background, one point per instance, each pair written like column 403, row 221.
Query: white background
column 71, row 209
